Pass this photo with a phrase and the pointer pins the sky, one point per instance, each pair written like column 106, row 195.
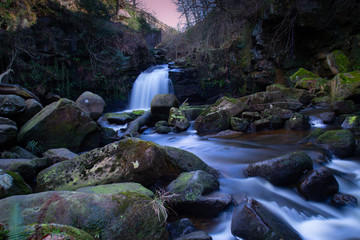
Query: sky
column 164, row 10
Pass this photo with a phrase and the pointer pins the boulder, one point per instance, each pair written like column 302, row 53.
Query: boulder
column 129, row 160
column 272, row 122
column 92, row 104
column 61, row 125
column 338, row 142
column 340, row 200
column 178, row 120
column 118, row 118
column 180, row 228
column 310, row 81
column 318, row 185
column 328, row 117
column 22, row 153
column 108, row 135
column 239, row 124
column 301, row 74
column 283, row 114
column 226, row 134
column 118, row 188
column 8, row 132
column 338, row 62
column 217, row 117
column 283, row 170
column 251, row 220
column 198, row 235
column 32, row 108
column 11, row 105
column 59, row 154
column 12, row 184
column 351, row 122
column 162, row 127
column 344, row 107
column 161, row 105
column 192, row 112
column 53, row 231
column 293, row 96
column 104, row 216
column 25, row 167
column 251, row 116
column 345, row 85
column 298, row 122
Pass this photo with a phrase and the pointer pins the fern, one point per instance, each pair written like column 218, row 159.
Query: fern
column 16, row 227
column 34, row 147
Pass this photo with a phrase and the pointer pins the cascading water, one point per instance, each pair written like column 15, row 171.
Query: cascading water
column 153, row 81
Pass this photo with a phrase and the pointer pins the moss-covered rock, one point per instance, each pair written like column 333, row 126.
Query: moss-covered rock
column 125, row 216
column 161, row 105
column 118, row 188
column 192, row 112
column 338, row 62
column 118, row 118
column 351, row 122
column 217, row 117
column 162, row 127
column 12, row 184
column 301, row 74
column 61, row 125
column 344, row 85
column 178, row 120
column 239, row 124
column 298, row 122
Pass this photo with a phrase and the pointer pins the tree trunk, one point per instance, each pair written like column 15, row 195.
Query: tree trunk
column 135, row 125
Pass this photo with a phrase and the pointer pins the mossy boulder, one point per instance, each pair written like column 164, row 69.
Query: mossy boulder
column 298, row 122
column 192, row 112
column 338, row 62
column 302, row 73
column 11, row 105
column 12, row 184
column 310, row 81
column 8, row 132
column 345, row 85
column 283, row 170
column 162, row 127
column 118, row 118
column 351, row 122
column 129, row 160
column 338, row 142
column 92, row 104
column 59, row 154
column 117, row 188
column 104, row 216
column 61, row 125
column 178, row 120
column 239, row 124
column 161, row 105
column 217, row 117
column 25, row 167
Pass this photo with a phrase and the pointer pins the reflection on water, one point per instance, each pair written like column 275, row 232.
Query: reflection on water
column 314, row 221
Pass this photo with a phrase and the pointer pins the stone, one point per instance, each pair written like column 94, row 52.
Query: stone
column 310, row 81
column 344, row 107
column 59, row 154
column 11, row 105
column 118, row 188
column 32, row 108
column 192, row 112
column 178, row 120
column 92, row 104
column 108, row 135
column 226, row 134
column 351, row 122
column 12, row 184
column 338, row 62
column 61, row 125
column 283, row 114
column 103, row 216
column 162, row 127
column 301, row 74
column 128, row 160
column 161, row 105
column 22, row 153
column 327, row 117
column 251, row 116
column 298, row 122
column 239, row 124
column 318, row 185
column 252, row 220
column 118, row 118
column 25, row 167
column 340, row 200
column 283, row 170
column 217, row 117
column 53, row 231
column 338, row 142
column 345, row 85
column 198, row 235
column 8, row 132
column 180, row 228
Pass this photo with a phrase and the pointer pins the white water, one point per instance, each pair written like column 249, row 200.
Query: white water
column 153, row 81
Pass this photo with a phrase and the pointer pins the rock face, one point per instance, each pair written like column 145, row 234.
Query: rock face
column 283, row 170
column 318, row 185
column 161, row 105
column 178, row 120
column 8, row 132
column 92, row 104
column 104, row 216
column 11, row 105
column 129, row 160
column 251, row 220
column 61, row 125
column 338, row 142
column 217, row 117
column 12, row 184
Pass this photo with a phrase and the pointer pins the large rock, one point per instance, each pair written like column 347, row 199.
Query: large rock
column 8, row 132
column 25, row 167
column 351, row 122
column 217, row 117
column 338, row 142
column 338, row 62
column 178, row 120
column 344, row 107
column 253, row 221
column 239, row 124
column 344, row 85
column 11, row 105
column 129, row 160
column 118, row 118
column 161, row 105
column 22, row 153
column 104, row 216
column 340, row 200
column 92, row 104
column 309, row 81
column 298, row 122
column 318, row 185
column 61, row 125
column 55, row 231
column 32, row 108
column 12, row 184
column 283, row 170
column 59, row 154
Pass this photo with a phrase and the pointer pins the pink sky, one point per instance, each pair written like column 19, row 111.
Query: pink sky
column 164, row 10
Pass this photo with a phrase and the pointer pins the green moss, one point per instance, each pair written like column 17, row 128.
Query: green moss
column 57, row 230
column 118, row 188
column 138, row 112
column 19, row 183
column 341, row 61
column 350, row 78
column 302, row 73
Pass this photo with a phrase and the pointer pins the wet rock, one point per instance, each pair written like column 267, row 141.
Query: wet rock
column 344, row 107
column 283, row 114
column 54, row 231
column 11, row 105
column 92, row 104
column 198, row 235
column 108, row 135
column 118, row 118
column 192, row 112
column 347, row 85
column 318, row 185
column 298, row 122
column 25, row 167
column 251, row 220
column 340, row 200
column 32, row 108
column 8, row 132
column 22, row 153
column 292, row 96
column 180, row 228
column 351, row 122
column 226, row 134
column 283, row 170
column 328, row 117
column 338, row 62
column 338, row 142
column 217, row 117
column 178, row 120
column 251, row 116
column 312, row 136
column 12, row 184
column 61, row 125
column 102, row 215
column 118, row 188
column 59, row 154
column 162, row 127
column 129, row 160
column 239, row 124
column 307, row 80
column 161, row 105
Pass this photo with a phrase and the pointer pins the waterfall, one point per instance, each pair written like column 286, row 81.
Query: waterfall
column 154, row 80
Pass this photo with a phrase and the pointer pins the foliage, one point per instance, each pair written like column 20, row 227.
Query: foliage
column 16, row 227
column 161, row 203
column 34, row 147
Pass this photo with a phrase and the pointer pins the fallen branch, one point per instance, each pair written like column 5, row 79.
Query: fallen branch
column 135, row 125
column 5, row 73
column 17, row 90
